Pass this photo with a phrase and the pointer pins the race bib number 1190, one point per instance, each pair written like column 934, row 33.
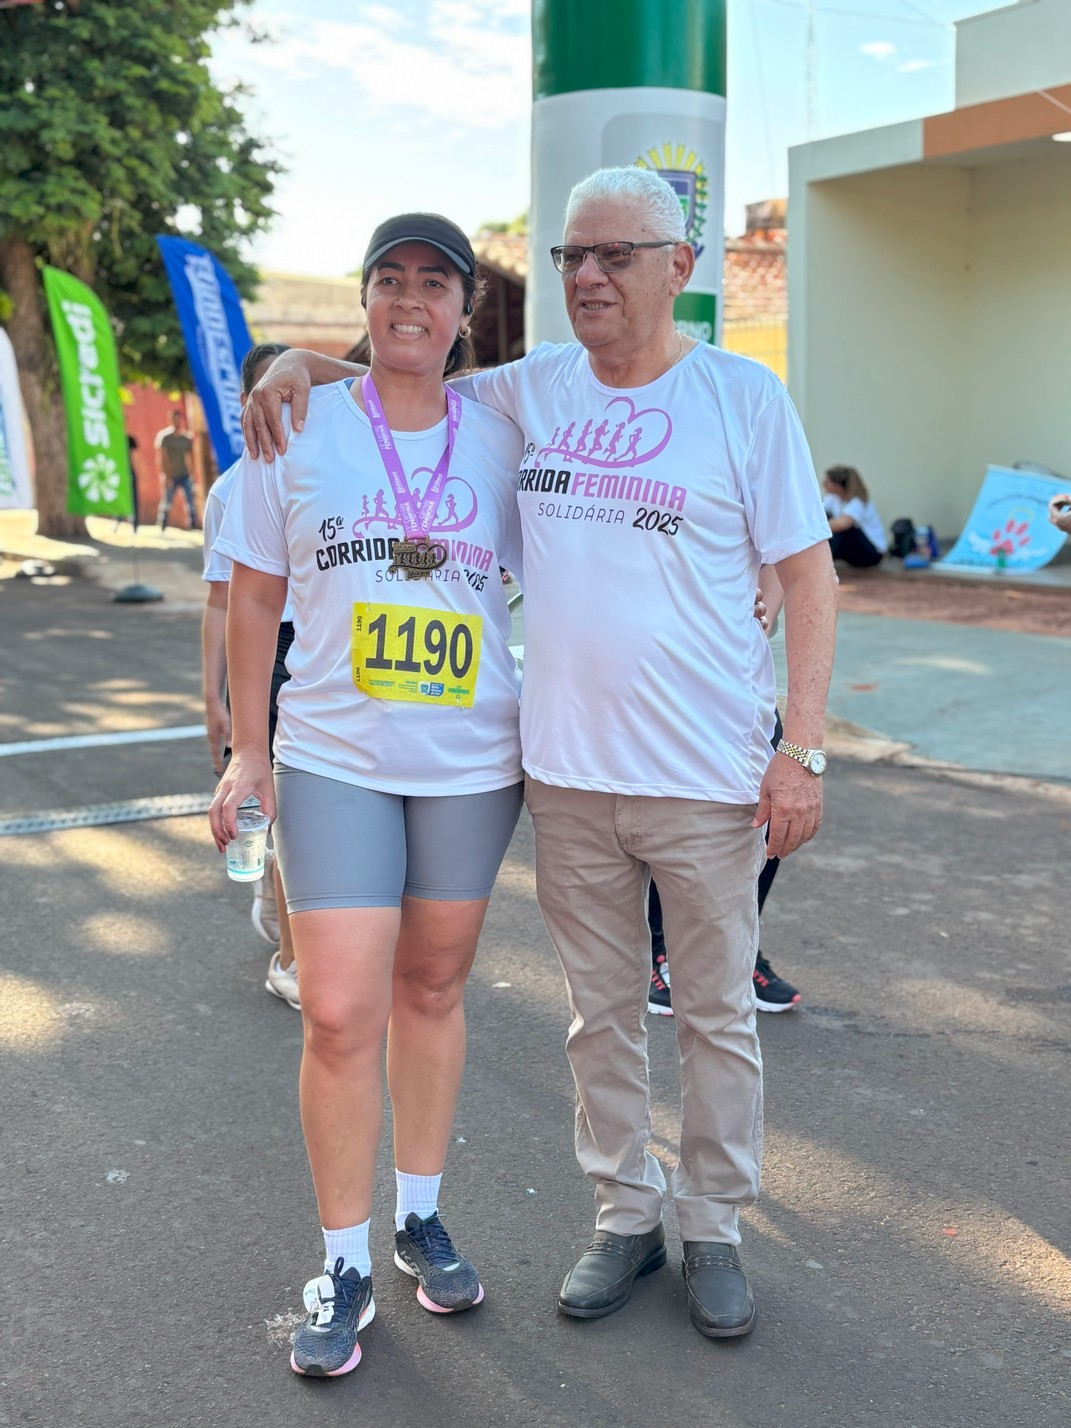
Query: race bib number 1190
column 416, row 655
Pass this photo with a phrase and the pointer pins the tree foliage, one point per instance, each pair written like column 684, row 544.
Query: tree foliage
column 112, row 131
column 516, row 227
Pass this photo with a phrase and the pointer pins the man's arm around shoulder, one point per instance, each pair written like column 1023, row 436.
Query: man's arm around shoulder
column 290, row 378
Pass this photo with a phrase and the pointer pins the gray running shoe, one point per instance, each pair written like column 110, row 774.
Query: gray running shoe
column 339, row 1306
column 447, row 1281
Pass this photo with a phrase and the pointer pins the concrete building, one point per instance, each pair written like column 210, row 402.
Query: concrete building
column 930, row 277
column 322, row 313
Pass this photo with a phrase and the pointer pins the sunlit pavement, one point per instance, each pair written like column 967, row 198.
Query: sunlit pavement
column 963, row 696
column 156, row 1218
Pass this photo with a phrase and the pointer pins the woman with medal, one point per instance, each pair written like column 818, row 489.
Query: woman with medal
column 397, row 772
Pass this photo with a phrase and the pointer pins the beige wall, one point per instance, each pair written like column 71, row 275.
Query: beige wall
column 876, row 324
column 1013, row 50
column 930, row 301
column 928, row 323
column 1017, row 321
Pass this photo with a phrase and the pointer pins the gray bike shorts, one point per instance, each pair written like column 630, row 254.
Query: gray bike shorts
column 341, row 845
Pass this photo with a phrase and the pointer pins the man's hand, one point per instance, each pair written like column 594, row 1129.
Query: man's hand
column 790, row 800
column 1060, row 512
column 286, row 380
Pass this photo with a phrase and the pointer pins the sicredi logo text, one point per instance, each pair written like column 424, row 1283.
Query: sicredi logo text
column 90, row 382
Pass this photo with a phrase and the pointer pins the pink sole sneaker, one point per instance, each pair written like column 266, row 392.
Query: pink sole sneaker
column 348, row 1367
column 432, row 1308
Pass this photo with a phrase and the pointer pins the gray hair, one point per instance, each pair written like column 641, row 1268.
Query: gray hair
column 631, row 184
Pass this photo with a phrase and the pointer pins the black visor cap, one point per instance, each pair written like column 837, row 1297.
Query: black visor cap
column 422, row 228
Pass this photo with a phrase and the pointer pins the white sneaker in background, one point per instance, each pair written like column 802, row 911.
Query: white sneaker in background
column 282, row 982
column 265, row 911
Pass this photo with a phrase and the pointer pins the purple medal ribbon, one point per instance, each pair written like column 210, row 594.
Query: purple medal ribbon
column 416, row 520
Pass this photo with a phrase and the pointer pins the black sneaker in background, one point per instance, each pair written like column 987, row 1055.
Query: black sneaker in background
column 658, row 999
column 772, row 993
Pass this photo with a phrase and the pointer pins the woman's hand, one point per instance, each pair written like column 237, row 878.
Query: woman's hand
column 218, row 725
column 760, row 611
column 247, row 775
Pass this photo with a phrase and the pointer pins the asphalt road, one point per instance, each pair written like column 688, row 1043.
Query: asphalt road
column 157, row 1223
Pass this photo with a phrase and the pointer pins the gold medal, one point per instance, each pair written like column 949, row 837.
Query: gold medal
column 418, row 558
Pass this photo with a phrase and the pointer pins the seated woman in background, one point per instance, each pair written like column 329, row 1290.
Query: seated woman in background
column 857, row 534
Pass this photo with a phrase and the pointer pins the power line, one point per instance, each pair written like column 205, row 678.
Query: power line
column 943, row 24
column 866, row 14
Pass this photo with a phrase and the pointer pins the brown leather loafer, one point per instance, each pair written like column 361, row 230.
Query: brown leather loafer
column 602, row 1278
column 720, row 1303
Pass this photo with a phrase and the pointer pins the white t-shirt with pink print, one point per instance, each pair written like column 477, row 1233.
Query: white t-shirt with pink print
column 646, row 514
column 405, row 686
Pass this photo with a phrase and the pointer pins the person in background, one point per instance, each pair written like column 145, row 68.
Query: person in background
column 269, row 915
column 134, row 456
column 772, row 993
column 174, row 448
column 1060, row 511
column 857, row 535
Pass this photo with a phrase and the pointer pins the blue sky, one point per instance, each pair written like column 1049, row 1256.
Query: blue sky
column 376, row 108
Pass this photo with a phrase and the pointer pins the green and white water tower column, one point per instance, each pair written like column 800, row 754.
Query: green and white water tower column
column 628, row 82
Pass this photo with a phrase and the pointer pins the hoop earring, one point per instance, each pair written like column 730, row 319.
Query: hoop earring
column 464, row 330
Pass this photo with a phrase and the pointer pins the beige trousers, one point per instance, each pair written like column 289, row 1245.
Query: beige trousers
column 595, row 854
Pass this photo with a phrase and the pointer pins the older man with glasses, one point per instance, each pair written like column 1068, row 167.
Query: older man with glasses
column 658, row 475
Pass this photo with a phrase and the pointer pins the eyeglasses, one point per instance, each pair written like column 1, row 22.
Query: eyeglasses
column 611, row 257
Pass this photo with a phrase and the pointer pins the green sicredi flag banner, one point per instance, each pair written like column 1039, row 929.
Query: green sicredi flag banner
column 98, row 453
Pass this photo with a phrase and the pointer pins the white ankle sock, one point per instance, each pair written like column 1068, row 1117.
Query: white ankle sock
column 350, row 1246
column 417, row 1195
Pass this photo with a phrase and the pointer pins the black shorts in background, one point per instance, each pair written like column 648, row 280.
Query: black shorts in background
column 279, row 676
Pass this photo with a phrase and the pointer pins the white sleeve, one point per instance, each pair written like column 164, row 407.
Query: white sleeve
column 779, row 487
column 217, row 567
column 253, row 531
column 855, row 510
column 496, row 388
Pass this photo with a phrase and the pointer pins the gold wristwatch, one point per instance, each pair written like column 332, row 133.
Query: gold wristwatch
column 813, row 760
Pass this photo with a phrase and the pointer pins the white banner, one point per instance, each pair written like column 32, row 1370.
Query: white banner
column 678, row 133
column 15, row 489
